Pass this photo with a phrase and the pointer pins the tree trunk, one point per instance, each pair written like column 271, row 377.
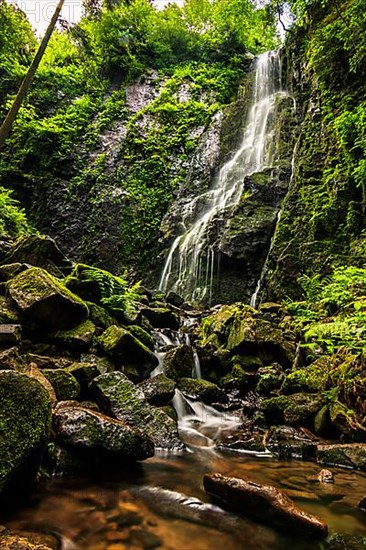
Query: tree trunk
column 25, row 85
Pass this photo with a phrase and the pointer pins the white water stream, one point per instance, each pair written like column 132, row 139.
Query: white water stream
column 191, row 262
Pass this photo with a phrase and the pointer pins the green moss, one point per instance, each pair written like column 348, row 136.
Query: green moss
column 201, row 389
column 66, row 387
column 25, row 422
column 142, row 335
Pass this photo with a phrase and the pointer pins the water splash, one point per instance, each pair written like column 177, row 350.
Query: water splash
column 192, row 262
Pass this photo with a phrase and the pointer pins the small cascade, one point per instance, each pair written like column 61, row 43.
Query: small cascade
column 201, row 425
column 192, row 262
column 197, row 366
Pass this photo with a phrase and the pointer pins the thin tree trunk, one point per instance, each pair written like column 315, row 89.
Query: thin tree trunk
column 25, row 85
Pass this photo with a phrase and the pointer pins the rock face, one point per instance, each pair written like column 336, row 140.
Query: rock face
column 119, row 397
column 25, row 422
column 42, row 299
column 95, row 434
column 263, row 502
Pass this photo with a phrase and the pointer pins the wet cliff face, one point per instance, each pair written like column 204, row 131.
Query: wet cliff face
column 238, row 236
column 323, row 214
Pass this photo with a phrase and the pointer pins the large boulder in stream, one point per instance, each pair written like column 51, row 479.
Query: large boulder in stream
column 95, row 435
column 126, row 350
column 118, row 397
column 41, row 298
column 263, row 502
column 25, row 423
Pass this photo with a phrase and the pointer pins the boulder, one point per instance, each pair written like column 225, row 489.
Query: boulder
column 64, row 383
column 126, row 350
column 118, row 397
column 8, row 271
column 85, row 373
column 33, row 371
column 79, row 338
column 10, row 335
column 38, row 251
column 158, row 390
column 43, row 299
column 100, row 316
column 341, row 541
column 160, row 317
column 47, row 362
column 202, row 390
column 8, row 314
column 10, row 359
column 349, row 455
column 96, row 435
column 270, row 378
column 25, row 421
column 263, row 502
column 179, row 362
column 143, row 336
column 287, row 443
column 297, row 409
column 237, row 329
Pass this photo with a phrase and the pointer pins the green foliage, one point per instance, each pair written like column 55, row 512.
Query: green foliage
column 115, row 292
column 333, row 315
column 13, row 221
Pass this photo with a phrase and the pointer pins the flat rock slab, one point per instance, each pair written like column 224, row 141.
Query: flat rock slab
column 263, row 502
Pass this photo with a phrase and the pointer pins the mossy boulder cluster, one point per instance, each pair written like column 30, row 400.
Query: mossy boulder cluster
column 80, row 359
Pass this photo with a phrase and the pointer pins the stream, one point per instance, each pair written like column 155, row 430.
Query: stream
column 160, row 503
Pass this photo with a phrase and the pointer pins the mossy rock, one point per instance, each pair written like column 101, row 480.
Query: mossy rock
column 79, row 338
column 313, row 378
column 294, row 410
column 118, row 397
column 248, row 362
column 8, row 314
column 9, row 271
column 124, row 348
column 100, row 316
column 25, row 422
column 10, row 359
column 179, row 362
column 39, row 251
column 143, row 336
column 346, row 423
column 270, row 379
column 349, row 455
column 343, row 541
column 95, row 435
column 240, row 379
column 41, row 298
column 85, row 373
column 160, row 317
column 158, row 390
column 64, row 383
column 203, row 390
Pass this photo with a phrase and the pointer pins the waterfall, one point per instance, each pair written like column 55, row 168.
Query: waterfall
column 192, row 262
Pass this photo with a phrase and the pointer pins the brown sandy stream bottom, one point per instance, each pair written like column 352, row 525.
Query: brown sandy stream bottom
column 143, row 510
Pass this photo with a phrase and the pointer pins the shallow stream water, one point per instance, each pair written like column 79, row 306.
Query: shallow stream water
column 143, row 507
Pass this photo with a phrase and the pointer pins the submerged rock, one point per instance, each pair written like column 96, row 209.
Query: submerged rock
column 263, row 502
column 25, row 422
column 95, row 434
column 41, row 298
column 324, row 476
column 119, row 397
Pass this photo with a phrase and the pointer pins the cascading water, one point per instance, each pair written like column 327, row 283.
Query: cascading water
column 192, row 260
